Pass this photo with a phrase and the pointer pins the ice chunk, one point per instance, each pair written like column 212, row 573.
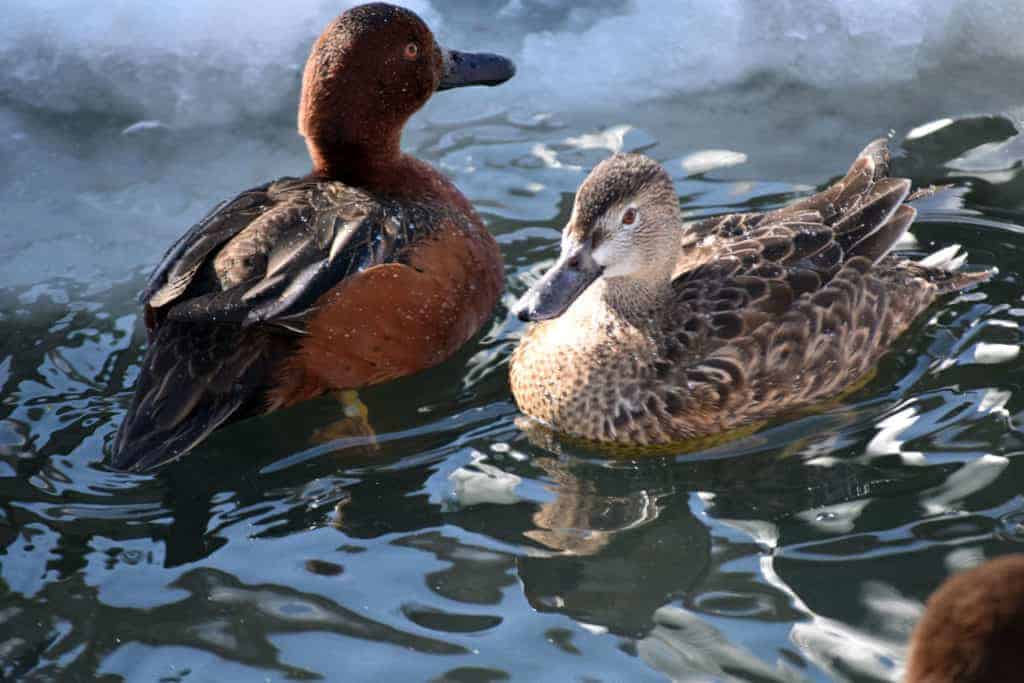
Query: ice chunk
column 707, row 160
column 986, row 353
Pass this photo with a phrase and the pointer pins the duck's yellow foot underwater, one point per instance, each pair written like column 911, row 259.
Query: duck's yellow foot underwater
column 353, row 430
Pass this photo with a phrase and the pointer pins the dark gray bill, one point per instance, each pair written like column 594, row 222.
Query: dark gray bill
column 559, row 287
column 474, row 68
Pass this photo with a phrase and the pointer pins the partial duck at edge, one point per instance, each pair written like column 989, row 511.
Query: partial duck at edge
column 973, row 627
column 371, row 267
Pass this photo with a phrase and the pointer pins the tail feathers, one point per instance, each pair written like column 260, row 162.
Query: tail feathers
column 942, row 268
column 142, row 445
column 868, row 213
column 877, row 153
column 849, row 192
column 865, row 223
column 194, row 379
column 876, row 245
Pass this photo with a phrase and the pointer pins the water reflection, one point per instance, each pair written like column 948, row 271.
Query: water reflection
column 462, row 549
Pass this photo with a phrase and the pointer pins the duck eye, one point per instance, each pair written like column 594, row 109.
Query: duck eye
column 412, row 51
column 629, row 217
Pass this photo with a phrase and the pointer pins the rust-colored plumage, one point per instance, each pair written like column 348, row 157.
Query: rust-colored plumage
column 674, row 332
column 973, row 628
column 395, row 318
column 371, row 267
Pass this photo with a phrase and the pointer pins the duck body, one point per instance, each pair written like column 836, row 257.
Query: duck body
column 749, row 315
column 372, row 267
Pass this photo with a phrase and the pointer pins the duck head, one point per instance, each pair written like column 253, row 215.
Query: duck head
column 624, row 228
column 371, row 69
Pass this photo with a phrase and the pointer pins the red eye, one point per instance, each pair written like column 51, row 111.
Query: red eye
column 629, row 217
column 412, row 51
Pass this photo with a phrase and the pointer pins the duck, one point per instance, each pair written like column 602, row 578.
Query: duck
column 370, row 267
column 972, row 627
column 651, row 332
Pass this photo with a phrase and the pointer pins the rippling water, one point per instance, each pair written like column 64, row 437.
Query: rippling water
column 460, row 550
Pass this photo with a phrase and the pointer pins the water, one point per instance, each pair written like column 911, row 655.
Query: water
column 461, row 550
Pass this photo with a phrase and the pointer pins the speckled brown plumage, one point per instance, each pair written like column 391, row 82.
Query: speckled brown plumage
column 973, row 627
column 372, row 267
column 757, row 314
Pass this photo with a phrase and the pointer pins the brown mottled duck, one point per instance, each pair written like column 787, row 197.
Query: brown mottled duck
column 652, row 331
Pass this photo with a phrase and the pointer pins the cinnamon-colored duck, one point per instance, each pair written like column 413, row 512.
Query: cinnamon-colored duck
column 973, row 628
column 371, row 267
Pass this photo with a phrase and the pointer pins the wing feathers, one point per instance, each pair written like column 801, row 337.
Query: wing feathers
column 194, row 379
column 266, row 257
column 818, row 255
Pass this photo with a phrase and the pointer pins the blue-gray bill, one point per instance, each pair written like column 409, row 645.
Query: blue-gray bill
column 474, row 68
column 560, row 286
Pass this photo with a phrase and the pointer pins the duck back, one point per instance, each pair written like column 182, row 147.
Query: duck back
column 275, row 298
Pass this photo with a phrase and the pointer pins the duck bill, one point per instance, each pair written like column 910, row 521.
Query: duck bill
column 474, row 68
column 559, row 287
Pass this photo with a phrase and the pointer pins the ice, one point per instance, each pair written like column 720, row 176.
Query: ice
column 199, row 63
column 664, row 49
column 187, row 63
column 707, row 160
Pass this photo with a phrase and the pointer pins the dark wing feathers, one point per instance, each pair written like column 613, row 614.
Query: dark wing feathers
column 273, row 251
column 877, row 244
column 871, row 214
column 859, row 215
column 179, row 265
column 230, row 298
column 870, row 166
column 194, row 379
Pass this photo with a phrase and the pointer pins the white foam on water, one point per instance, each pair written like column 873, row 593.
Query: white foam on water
column 987, row 353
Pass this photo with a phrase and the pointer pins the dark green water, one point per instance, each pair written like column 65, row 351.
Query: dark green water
column 461, row 551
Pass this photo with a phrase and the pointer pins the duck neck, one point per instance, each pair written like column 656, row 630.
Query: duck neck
column 634, row 299
column 357, row 162
column 382, row 168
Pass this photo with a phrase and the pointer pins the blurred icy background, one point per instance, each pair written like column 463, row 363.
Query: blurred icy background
column 194, row 62
column 128, row 119
column 142, row 114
